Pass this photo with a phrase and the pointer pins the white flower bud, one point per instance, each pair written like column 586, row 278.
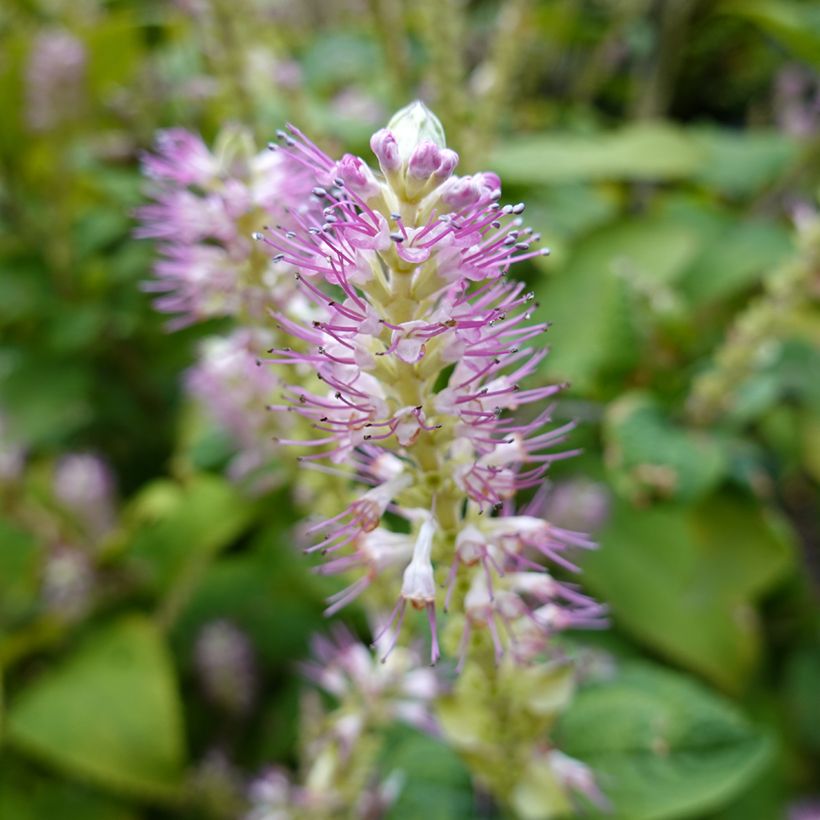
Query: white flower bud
column 413, row 125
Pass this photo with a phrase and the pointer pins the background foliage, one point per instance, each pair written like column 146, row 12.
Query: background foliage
column 667, row 150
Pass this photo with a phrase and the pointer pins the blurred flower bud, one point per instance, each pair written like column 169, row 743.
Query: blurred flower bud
column 67, row 583
column 577, row 777
column 271, row 796
column 85, row 485
column 54, row 79
column 287, row 74
column 12, row 455
column 224, row 658
column 805, row 809
column 578, row 504
column 216, row 786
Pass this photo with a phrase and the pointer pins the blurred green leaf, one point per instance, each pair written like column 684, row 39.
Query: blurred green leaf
column 26, row 797
column 661, row 745
column 802, row 691
column 21, row 283
column 796, row 25
column 638, row 151
column 178, row 528
column 435, row 783
column 46, row 417
column 589, row 300
column 735, row 259
column 741, row 163
column 683, row 580
column 109, row 712
column 20, row 556
column 650, row 457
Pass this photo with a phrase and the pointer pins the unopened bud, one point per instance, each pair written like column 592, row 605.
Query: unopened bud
column 424, row 160
column 448, row 160
column 412, row 126
column 460, row 193
column 386, row 149
column 357, row 177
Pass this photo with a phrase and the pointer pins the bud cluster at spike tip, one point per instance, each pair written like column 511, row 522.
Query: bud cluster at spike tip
column 422, row 357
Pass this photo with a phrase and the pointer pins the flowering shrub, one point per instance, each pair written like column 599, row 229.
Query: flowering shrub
column 368, row 382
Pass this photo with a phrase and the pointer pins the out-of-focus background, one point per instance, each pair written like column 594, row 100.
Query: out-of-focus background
column 153, row 607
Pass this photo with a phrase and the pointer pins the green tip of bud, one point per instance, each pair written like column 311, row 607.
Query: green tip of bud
column 414, row 124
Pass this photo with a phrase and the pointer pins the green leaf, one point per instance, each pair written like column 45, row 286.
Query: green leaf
column 27, row 797
column 683, row 580
column 570, row 210
column 590, row 300
column 661, row 745
column 20, row 557
column 741, row 163
column 639, row 151
column 436, row 784
column 47, row 416
column 796, row 25
column 178, row 528
column 110, row 712
column 801, row 690
column 649, row 457
column 737, row 258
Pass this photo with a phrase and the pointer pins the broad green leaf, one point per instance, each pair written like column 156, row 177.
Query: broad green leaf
column 639, row 151
column 109, row 712
column 570, row 210
column 740, row 163
column 179, row 527
column 739, row 257
column 649, row 457
column 662, row 746
column 435, row 783
column 47, row 416
column 683, row 580
column 590, row 301
column 763, row 799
